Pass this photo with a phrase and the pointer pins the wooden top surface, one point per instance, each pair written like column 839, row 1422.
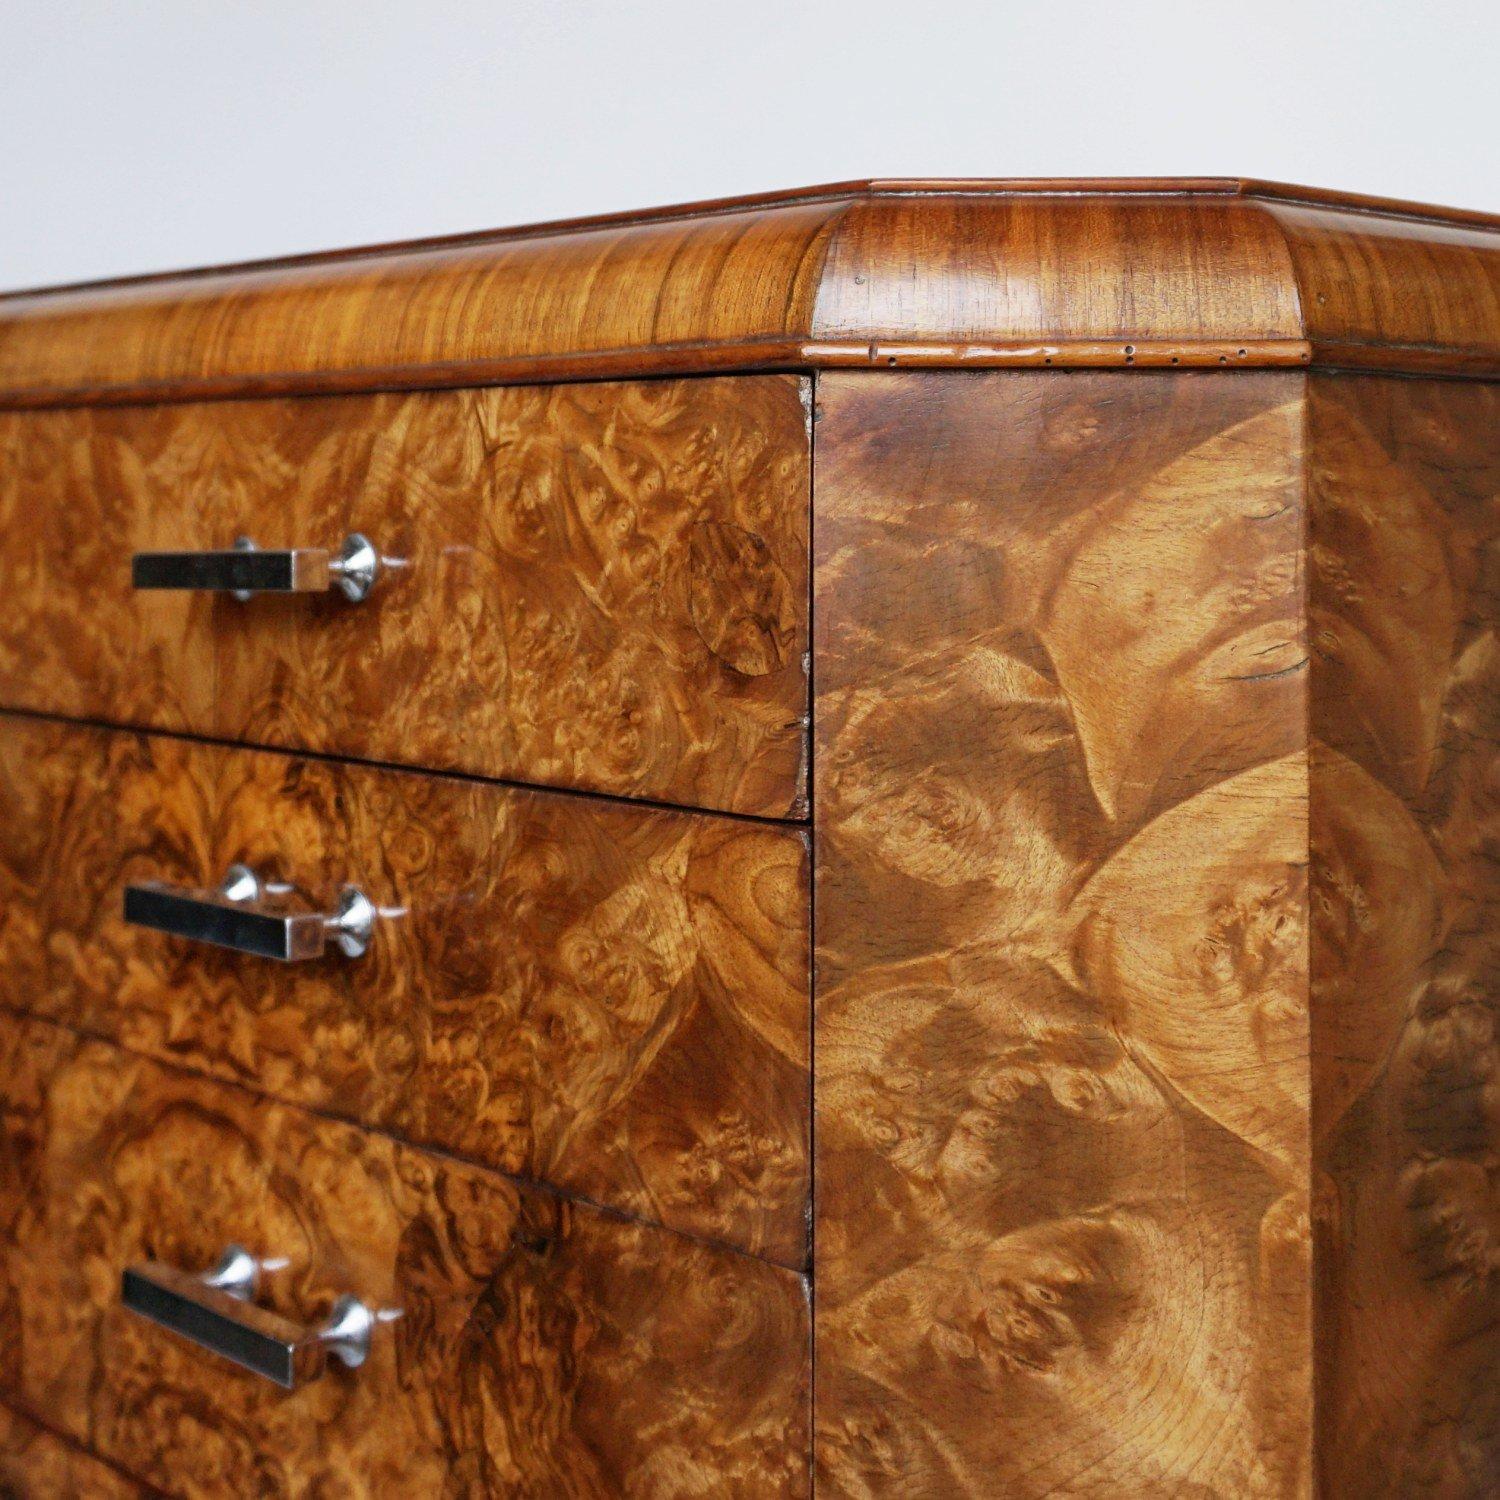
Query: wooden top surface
column 1149, row 272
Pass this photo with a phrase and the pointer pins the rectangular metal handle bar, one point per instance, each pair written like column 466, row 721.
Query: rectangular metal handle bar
column 251, row 1336
column 249, row 916
column 246, row 569
column 295, row 571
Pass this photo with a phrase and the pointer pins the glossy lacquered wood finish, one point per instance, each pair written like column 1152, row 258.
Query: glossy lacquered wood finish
column 1155, row 1016
column 1380, row 291
column 1169, row 271
column 36, row 1464
column 543, row 1349
column 1061, row 1024
column 1404, row 602
column 611, row 999
column 598, row 586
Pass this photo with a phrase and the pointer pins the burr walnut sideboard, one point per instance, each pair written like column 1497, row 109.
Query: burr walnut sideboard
column 836, row 844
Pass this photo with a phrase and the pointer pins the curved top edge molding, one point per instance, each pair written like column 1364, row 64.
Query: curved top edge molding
column 870, row 187
column 1136, row 272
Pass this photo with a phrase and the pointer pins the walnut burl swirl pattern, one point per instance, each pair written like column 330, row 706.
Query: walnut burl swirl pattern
column 544, row 1350
column 1155, row 1019
column 598, row 586
column 610, row 998
column 36, row 1464
column 1404, row 604
column 1061, row 1007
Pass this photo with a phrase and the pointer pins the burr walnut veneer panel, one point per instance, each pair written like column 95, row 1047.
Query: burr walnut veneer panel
column 598, row 586
column 36, row 1464
column 1152, row 1059
column 1158, row 1151
column 1404, row 604
column 1061, row 1024
column 611, row 998
column 542, row 1349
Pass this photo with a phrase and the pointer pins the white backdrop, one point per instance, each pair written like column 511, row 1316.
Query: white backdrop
column 163, row 133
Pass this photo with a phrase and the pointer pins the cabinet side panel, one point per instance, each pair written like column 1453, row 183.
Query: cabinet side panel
column 1403, row 602
column 1061, row 1024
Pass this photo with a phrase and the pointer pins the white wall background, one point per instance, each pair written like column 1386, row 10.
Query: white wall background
column 163, row 133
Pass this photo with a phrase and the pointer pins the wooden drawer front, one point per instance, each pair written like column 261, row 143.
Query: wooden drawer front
column 610, row 998
column 599, row 586
column 36, row 1462
column 542, row 1349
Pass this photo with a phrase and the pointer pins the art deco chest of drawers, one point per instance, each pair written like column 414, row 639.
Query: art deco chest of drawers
column 836, row 844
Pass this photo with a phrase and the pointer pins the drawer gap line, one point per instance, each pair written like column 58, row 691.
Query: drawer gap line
column 526, row 1184
column 403, row 768
column 23, row 1409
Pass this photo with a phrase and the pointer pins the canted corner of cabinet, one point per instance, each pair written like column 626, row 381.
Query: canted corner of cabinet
column 1153, row 749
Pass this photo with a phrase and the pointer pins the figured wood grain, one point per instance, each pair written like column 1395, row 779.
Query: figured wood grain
column 1404, row 602
column 598, row 586
column 72, row 638
column 542, row 1349
column 1170, row 271
column 1155, row 1017
column 611, row 999
column 36, row 1464
column 1061, row 1033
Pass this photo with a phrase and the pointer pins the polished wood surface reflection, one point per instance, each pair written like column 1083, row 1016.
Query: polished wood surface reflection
column 1155, row 1005
column 608, row 998
column 596, row 586
column 1122, row 272
column 1061, row 1011
column 36, row 1464
column 1404, row 602
column 927, row 749
column 543, row 1349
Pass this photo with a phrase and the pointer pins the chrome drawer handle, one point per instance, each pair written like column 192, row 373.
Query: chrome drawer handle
column 249, row 569
column 215, row 1310
column 250, row 915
